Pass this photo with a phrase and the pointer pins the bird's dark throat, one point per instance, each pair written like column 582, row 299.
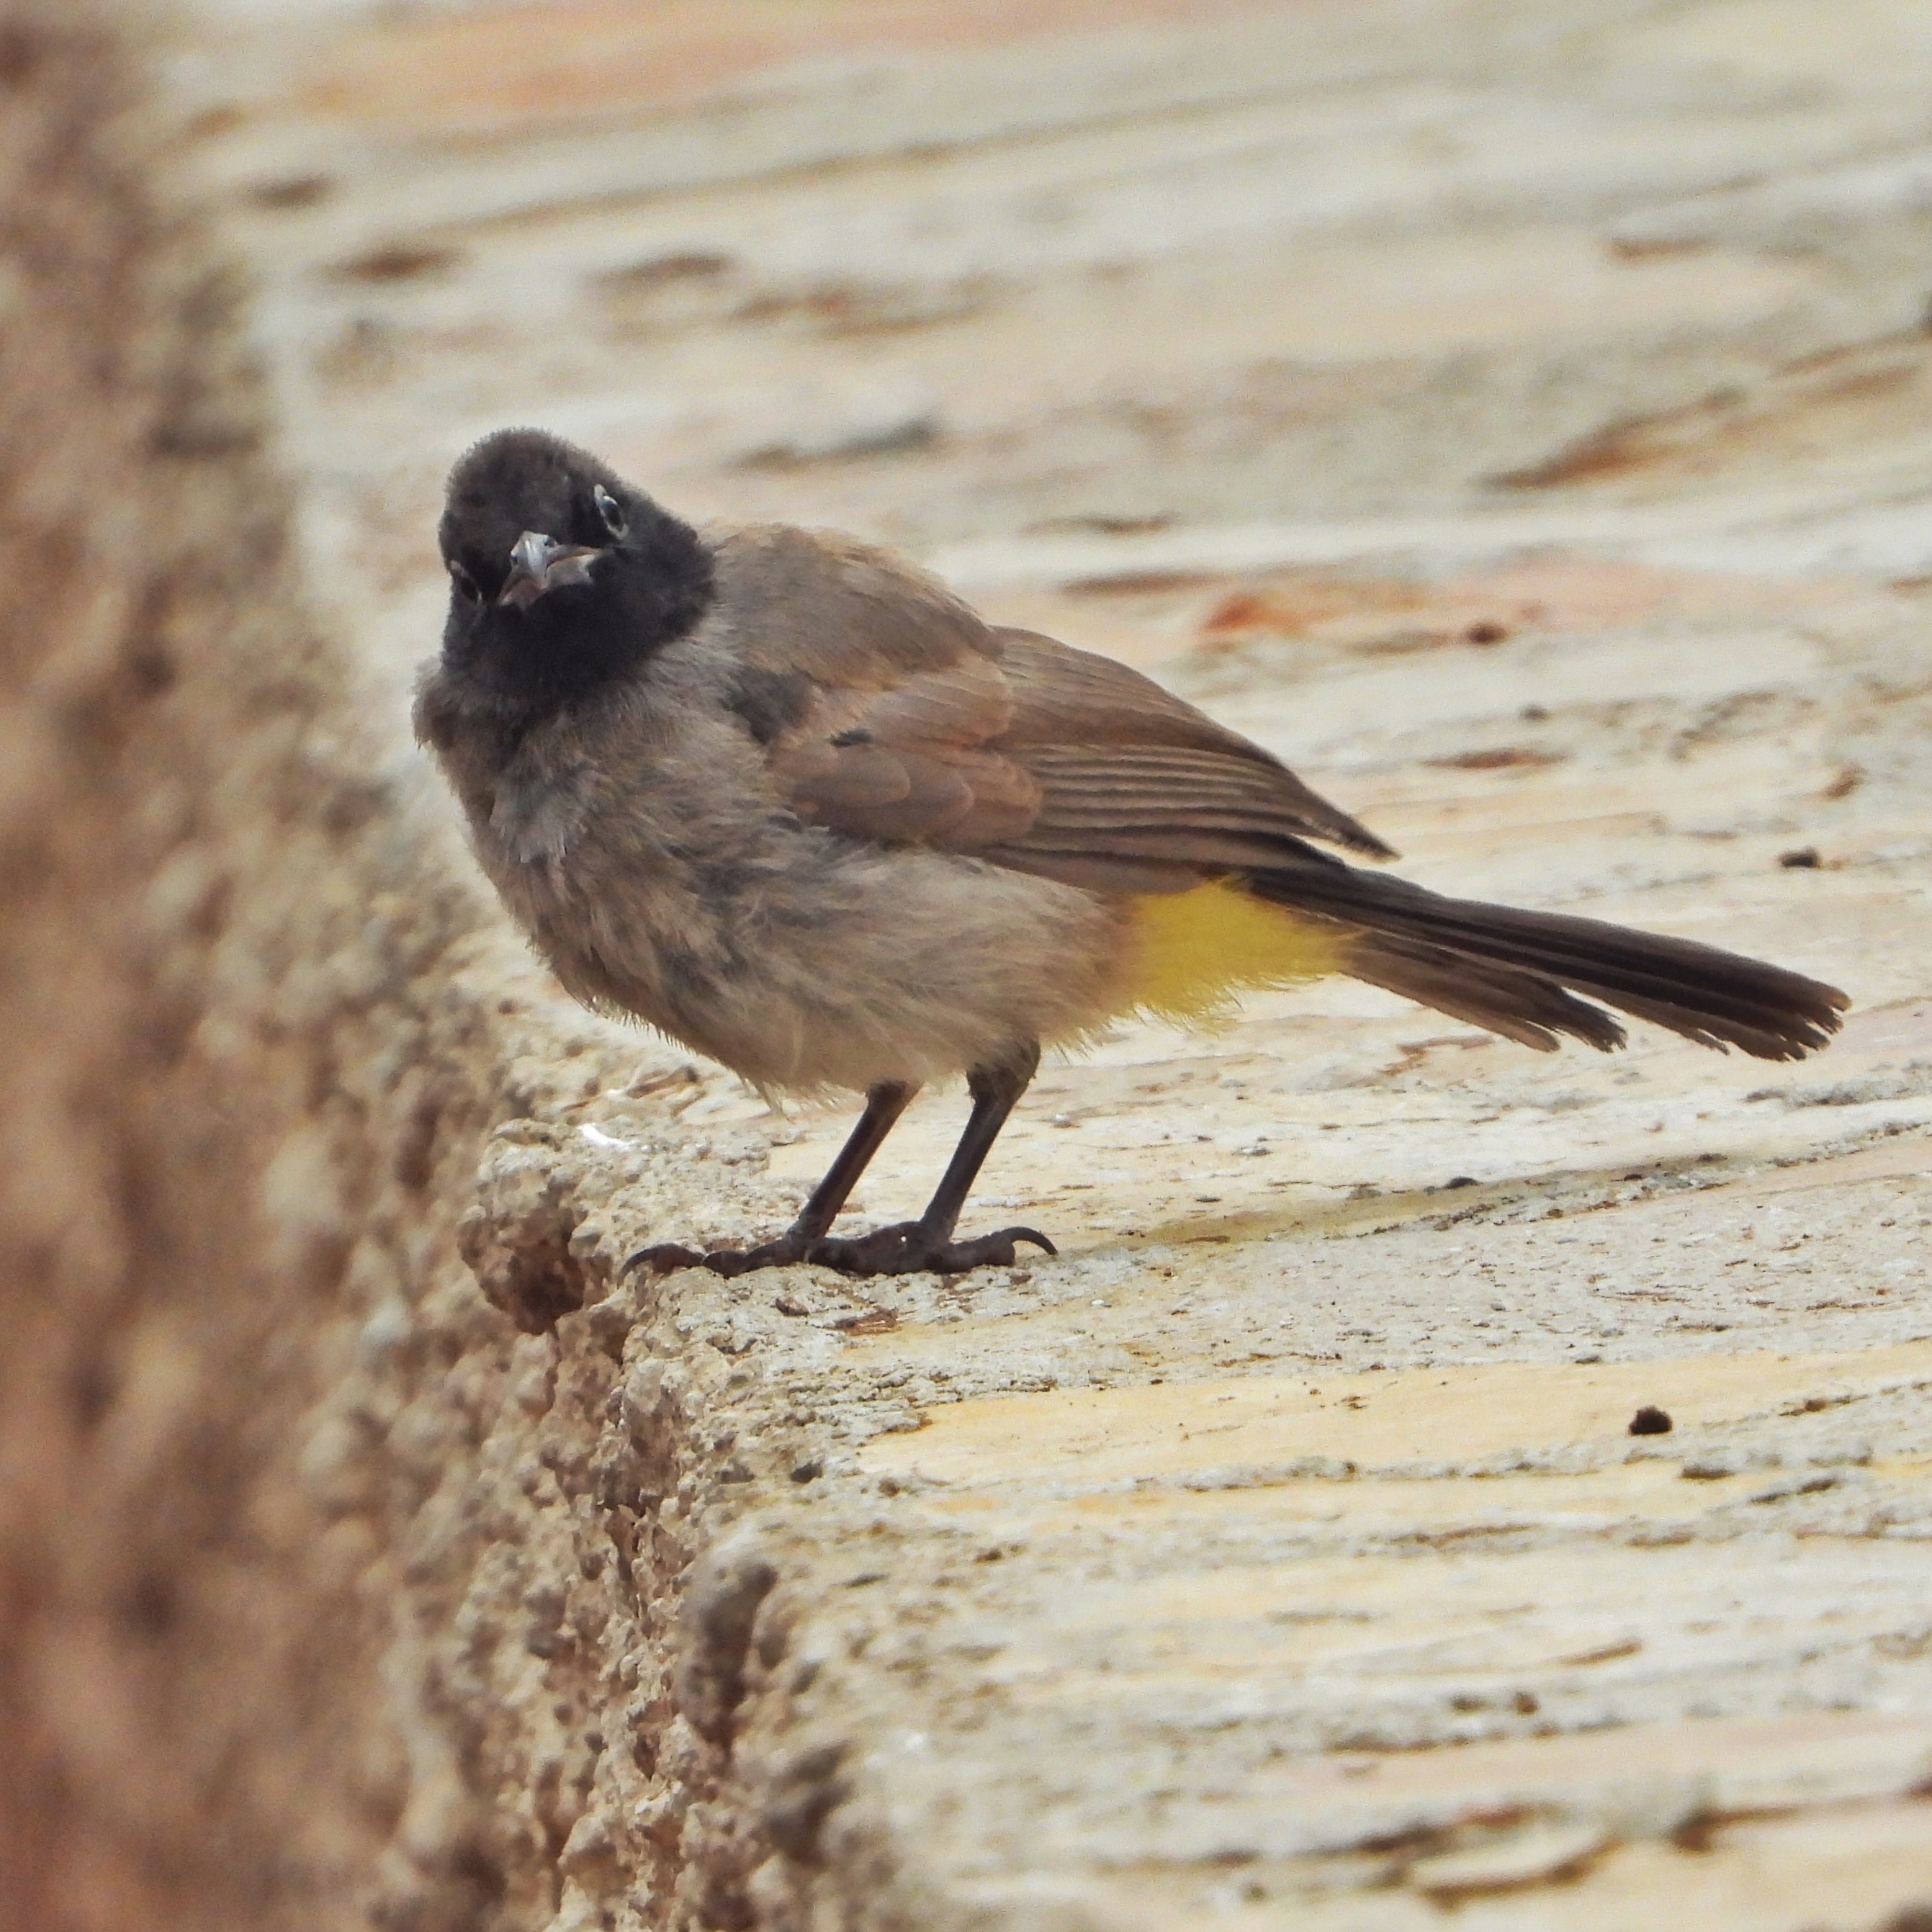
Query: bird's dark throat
column 579, row 638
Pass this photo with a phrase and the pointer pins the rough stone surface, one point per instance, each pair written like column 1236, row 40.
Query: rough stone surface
column 236, row 1073
column 1520, row 416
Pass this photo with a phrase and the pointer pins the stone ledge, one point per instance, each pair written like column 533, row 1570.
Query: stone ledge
column 1275, row 1553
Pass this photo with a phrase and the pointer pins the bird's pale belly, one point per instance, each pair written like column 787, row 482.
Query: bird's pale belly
column 848, row 966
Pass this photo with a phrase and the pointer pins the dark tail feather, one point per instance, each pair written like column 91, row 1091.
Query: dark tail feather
column 1508, row 970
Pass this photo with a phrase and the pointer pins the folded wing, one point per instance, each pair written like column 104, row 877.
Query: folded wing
column 1047, row 760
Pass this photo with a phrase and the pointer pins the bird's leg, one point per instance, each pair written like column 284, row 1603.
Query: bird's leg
column 912, row 1246
column 884, row 1104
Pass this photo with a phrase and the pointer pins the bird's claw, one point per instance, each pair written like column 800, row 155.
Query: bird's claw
column 668, row 1256
column 664, row 1258
column 907, row 1247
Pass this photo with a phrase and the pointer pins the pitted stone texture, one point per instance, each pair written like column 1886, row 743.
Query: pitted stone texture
column 1420, row 388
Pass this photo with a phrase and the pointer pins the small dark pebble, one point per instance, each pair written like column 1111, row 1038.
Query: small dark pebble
column 1486, row 630
column 1649, row 1420
column 396, row 261
column 1460, row 1181
column 1805, row 859
column 807, row 1471
column 789, row 1304
column 291, row 191
column 1534, row 714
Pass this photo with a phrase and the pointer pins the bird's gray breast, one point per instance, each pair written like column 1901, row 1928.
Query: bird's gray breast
column 540, row 810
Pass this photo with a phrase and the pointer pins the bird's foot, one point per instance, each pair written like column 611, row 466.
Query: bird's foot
column 907, row 1247
column 910, row 1247
column 791, row 1246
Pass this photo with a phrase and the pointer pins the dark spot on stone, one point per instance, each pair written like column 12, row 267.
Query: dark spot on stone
column 657, row 271
column 154, row 1605
column 1487, row 631
column 92, row 1387
column 1102, row 525
column 789, row 1304
column 151, row 668
column 1534, row 714
column 473, row 1864
column 1237, row 611
column 1803, row 859
column 1524, row 1703
column 802, row 1795
column 809, row 1471
column 1459, row 1180
column 196, row 429
column 291, row 191
column 1496, row 758
column 396, row 261
column 1650, row 1420
column 19, row 55
column 413, row 1160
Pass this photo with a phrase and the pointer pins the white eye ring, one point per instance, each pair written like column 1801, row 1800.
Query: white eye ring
column 465, row 583
column 606, row 507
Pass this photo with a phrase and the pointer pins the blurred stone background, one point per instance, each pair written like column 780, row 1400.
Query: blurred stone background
column 1518, row 414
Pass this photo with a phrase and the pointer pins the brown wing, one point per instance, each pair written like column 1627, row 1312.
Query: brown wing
column 1116, row 749
column 913, row 764
column 1002, row 743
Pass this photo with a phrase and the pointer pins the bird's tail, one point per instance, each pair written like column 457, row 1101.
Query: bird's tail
column 1518, row 973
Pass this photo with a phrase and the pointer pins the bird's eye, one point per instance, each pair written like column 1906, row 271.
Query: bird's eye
column 465, row 584
column 608, row 509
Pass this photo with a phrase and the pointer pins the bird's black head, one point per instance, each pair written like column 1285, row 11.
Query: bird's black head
column 562, row 577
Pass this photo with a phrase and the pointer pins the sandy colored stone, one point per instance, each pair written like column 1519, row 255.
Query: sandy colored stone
column 1518, row 419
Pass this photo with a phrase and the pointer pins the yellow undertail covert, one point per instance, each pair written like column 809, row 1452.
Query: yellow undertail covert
column 1196, row 952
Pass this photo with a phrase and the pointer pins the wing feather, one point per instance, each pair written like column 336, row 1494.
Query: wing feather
column 1002, row 743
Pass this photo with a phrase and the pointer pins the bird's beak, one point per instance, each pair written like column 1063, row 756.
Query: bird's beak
column 538, row 563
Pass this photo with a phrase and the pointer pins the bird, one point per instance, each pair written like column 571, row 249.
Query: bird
column 781, row 794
